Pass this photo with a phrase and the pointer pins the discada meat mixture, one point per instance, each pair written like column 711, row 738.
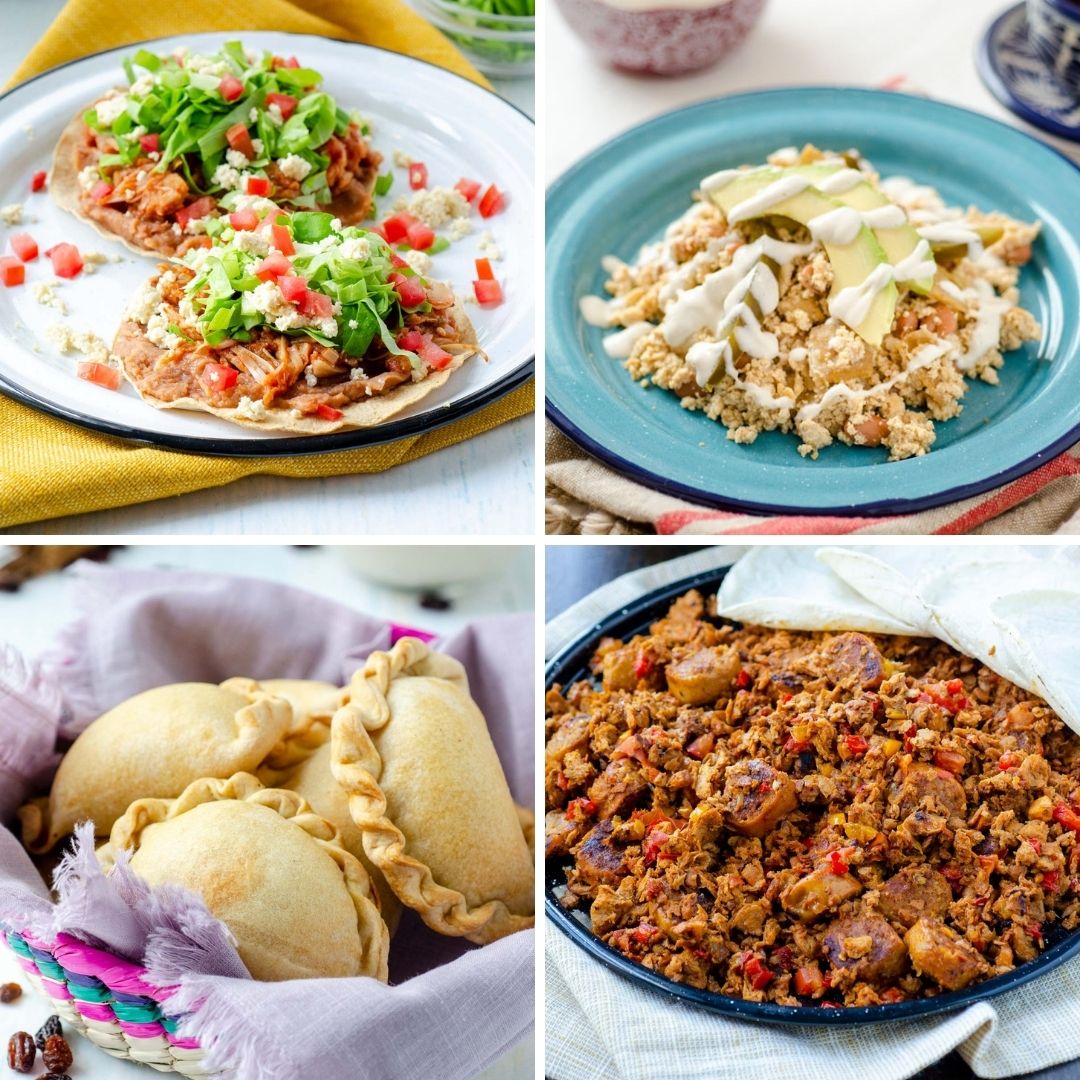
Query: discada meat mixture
column 811, row 818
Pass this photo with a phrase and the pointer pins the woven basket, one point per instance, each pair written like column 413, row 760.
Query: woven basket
column 106, row 998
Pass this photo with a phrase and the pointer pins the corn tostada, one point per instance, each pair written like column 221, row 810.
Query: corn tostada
column 291, row 323
column 152, row 163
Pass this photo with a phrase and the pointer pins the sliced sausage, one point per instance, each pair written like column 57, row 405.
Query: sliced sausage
column 618, row 789
column 940, row 953
column 854, row 660
column 560, row 833
column 939, row 786
column 571, row 734
column 756, row 796
column 598, row 861
column 914, row 892
column 702, row 678
column 818, row 893
column 868, row 945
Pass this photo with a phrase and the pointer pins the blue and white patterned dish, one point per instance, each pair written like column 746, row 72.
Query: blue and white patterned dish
column 1017, row 75
column 1054, row 30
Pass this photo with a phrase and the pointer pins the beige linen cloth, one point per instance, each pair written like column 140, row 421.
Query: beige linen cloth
column 600, row 1026
column 585, row 497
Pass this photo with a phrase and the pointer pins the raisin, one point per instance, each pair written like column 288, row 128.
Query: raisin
column 9, row 992
column 21, row 1052
column 57, row 1054
column 50, row 1027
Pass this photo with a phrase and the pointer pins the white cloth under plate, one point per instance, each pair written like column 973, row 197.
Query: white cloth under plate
column 600, row 1026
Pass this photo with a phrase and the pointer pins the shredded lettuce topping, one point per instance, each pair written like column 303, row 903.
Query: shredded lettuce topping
column 180, row 98
column 227, row 299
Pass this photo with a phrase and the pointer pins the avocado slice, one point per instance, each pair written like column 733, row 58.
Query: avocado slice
column 987, row 234
column 899, row 241
column 860, row 264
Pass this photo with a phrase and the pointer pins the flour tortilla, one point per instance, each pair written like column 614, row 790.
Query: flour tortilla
column 66, row 191
column 131, row 340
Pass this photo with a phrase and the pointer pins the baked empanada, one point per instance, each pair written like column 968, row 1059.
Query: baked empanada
column 314, row 781
column 412, row 751
column 274, row 872
column 155, row 744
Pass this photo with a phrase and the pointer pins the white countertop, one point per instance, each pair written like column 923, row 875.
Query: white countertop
column 32, row 616
column 483, row 486
column 830, row 42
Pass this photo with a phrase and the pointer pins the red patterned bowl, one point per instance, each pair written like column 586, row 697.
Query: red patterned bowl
column 662, row 37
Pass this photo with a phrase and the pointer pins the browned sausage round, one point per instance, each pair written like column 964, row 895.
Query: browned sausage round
column 938, row 785
column 868, row 945
column 756, row 796
column 618, row 789
column 818, row 893
column 941, row 953
column 914, row 892
column 598, row 861
column 702, row 678
column 854, row 660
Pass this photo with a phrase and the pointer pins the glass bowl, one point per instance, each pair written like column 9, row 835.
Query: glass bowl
column 501, row 45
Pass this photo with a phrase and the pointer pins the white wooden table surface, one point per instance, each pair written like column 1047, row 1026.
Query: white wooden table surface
column 481, row 487
column 829, row 42
column 31, row 618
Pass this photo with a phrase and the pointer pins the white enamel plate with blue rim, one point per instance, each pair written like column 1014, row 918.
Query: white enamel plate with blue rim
column 454, row 126
column 624, row 195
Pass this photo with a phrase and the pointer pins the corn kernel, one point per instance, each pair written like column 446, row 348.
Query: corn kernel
column 1041, row 809
column 837, row 819
column 890, row 746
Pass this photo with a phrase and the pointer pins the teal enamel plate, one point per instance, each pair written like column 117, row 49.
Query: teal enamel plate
column 625, row 193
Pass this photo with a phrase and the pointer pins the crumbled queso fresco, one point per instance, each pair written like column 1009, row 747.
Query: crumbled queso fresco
column 68, row 340
column 12, row 214
column 436, row 207
column 44, row 292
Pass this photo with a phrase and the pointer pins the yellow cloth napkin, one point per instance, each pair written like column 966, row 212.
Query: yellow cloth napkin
column 49, row 468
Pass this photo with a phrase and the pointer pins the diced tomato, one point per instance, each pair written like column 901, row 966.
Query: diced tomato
column 435, row 357
column 150, row 143
column 484, row 271
column 238, row 138
column 258, row 185
column 410, row 291
column 411, row 340
column 837, row 864
column 893, row 995
column 37, row 181
column 219, row 376
column 488, row 293
column 396, row 228
column 244, row 220
column 275, row 265
column 193, row 211
column 950, row 760
column 66, row 260
column 642, row 665
column 579, row 809
column 701, row 747
column 328, row 412
column 758, row 974
column 285, row 102
column 1050, row 881
column 420, row 236
column 101, row 374
column 293, row 288
column 278, row 62
column 468, row 189
column 1008, row 760
column 630, row 747
column 491, row 202
column 316, row 304
column 418, row 175
column 796, row 746
column 743, row 680
column 231, row 87
column 653, row 846
column 1065, row 816
column 808, row 981
column 645, row 933
column 101, row 190
column 282, row 239
column 856, row 745
column 25, row 246
column 12, row 271
column 397, row 260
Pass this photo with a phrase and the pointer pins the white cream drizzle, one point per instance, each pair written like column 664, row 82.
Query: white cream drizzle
column 950, row 233
column 986, row 329
column 776, row 192
column 621, row 344
column 839, row 226
column 852, row 305
column 597, row 311
column 841, row 181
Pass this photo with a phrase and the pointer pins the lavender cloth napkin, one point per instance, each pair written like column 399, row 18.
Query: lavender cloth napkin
column 451, row 1008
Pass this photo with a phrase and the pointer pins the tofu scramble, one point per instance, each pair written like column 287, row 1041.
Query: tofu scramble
column 813, row 297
